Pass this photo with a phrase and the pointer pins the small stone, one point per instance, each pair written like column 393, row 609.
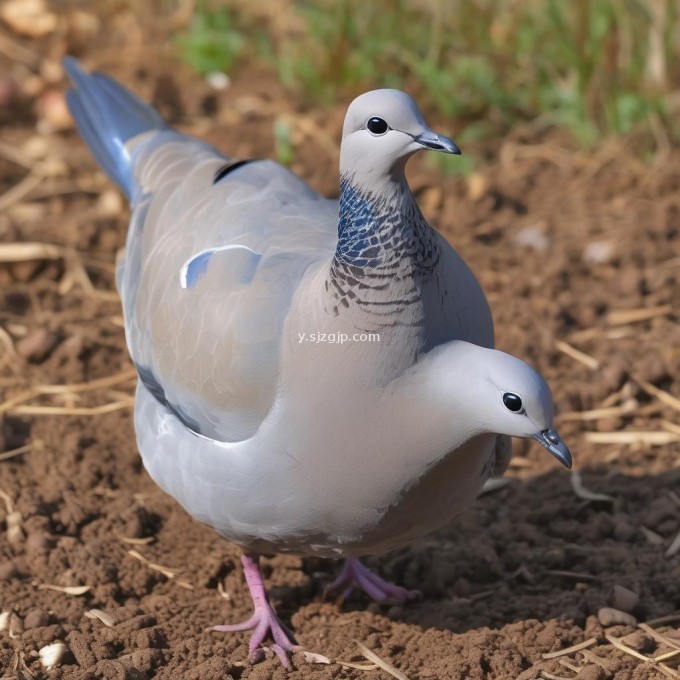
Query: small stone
column 51, row 655
column 624, row 599
column 218, row 80
column 533, row 238
column 36, row 618
column 608, row 616
column 592, row 672
column 640, row 642
column 599, row 252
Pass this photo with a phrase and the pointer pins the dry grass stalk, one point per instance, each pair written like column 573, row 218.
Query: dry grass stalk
column 381, row 663
column 568, row 665
column 32, row 250
column 668, row 618
column 68, row 590
column 168, row 572
column 596, row 414
column 570, row 650
column 668, row 672
column 632, row 437
column 591, row 362
column 78, row 411
column 21, row 189
column 22, row 396
column 674, row 547
column 313, row 657
column 7, row 455
column 138, row 541
column 670, row 427
column 659, row 637
column 661, row 395
column 621, row 317
column 587, row 495
column 13, row 155
column 572, row 574
column 597, row 660
column 357, row 665
column 108, row 381
column 625, row 648
column 98, row 614
column 652, row 537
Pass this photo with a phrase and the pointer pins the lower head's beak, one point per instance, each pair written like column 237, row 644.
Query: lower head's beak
column 431, row 140
column 550, row 440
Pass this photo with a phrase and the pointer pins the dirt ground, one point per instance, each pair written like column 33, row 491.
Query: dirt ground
column 579, row 254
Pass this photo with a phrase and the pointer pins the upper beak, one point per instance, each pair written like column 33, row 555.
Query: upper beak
column 431, row 140
column 550, row 440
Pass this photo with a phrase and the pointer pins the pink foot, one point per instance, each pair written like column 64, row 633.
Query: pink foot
column 355, row 575
column 264, row 622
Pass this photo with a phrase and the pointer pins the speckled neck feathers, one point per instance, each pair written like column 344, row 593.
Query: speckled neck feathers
column 385, row 252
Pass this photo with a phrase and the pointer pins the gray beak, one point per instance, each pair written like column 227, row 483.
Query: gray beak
column 550, row 440
column 431, row 140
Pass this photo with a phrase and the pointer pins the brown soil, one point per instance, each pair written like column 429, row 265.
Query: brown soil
column 568, row 245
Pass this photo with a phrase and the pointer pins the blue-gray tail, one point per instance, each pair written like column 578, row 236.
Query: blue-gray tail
column 107, row 116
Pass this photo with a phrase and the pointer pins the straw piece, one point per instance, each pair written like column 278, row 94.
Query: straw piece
column 68, row 590
column 591, row 362
column 581, row 491
column 168, row 572
column 659, row 637
column 620, row 317
column 632, row 437
column 674, row 547
column 388, row 668
column 570, row 650
column 598, row 413
column 661, row 395
column 77, row 411
column 107, row 381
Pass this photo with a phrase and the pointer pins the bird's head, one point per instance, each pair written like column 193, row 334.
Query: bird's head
column 497, row 393
column 382, row 129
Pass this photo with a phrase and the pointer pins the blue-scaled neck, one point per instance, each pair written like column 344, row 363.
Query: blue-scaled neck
column 378, row 229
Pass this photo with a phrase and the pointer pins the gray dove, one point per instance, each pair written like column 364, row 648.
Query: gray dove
column 316, row 377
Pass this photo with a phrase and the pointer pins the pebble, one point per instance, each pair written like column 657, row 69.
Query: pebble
column 608, row 616
column 51, row 655
column 625, row 599
column 36, row 618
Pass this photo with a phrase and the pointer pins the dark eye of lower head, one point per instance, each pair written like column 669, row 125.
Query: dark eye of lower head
column 377, row 126
column 512, row 402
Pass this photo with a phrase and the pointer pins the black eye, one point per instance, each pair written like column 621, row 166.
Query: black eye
column 512, row 402
column 377, row 126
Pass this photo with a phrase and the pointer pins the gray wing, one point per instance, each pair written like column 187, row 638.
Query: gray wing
column 208, row 275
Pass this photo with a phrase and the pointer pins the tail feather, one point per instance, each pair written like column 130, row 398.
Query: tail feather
column 107, row 116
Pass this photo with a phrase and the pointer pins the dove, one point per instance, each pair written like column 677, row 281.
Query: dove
column 316, row 376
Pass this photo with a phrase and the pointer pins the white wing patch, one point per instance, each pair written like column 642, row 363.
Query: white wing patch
column 242, row 265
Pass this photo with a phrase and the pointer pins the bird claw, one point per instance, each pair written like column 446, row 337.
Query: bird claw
column 264, row 623
column 356, row 575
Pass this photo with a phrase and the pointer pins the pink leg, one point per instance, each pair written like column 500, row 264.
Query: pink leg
column 355, row 575
column 264, row 622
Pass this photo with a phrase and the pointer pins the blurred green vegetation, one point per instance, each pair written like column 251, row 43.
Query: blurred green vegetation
column 594, row 67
